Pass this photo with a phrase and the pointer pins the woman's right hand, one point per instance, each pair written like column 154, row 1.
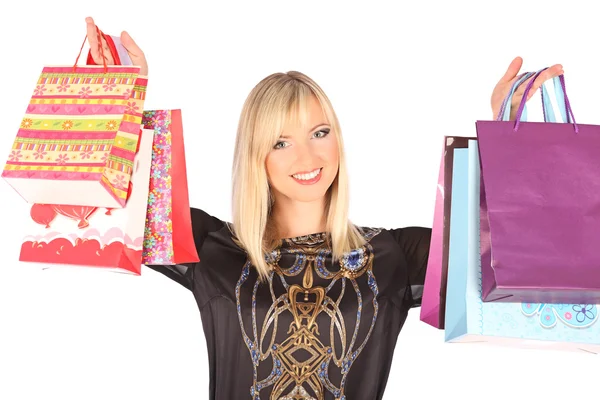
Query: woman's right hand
column 135, row 53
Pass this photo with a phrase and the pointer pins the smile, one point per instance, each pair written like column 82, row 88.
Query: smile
column 308, row 178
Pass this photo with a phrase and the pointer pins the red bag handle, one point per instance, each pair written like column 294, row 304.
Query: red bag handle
column 111, row 47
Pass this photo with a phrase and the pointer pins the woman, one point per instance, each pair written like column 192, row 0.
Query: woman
column 297, row 302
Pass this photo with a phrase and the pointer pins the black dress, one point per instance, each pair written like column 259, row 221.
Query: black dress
column 312, row 331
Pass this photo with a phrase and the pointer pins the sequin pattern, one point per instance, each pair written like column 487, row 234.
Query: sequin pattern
column 308, row 379
column 158, row 234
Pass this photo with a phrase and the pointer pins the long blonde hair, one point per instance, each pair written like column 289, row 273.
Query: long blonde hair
column 279, row 98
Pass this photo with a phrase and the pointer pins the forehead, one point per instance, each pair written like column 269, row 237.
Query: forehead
column 303, row 114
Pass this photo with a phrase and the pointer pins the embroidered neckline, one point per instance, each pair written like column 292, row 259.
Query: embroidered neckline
column 309, row 239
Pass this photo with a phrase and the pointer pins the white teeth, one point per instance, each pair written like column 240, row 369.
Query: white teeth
column 309, row 176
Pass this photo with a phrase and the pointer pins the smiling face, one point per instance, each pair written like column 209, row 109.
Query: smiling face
column 305, row 161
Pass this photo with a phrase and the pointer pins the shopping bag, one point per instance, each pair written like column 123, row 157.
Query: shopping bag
column 77, row 141
column 488, row 281
column 88, row 236
column 168, row 237
column 434, row 292
column 468, row 319
column 541, row 183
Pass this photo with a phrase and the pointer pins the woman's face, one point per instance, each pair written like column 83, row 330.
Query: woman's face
column 304, row 163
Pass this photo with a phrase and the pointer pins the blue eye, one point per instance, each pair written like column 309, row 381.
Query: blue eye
column 321, row 134
column 280, row 145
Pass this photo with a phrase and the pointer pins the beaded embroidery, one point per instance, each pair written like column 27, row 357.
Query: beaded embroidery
column 308, row 379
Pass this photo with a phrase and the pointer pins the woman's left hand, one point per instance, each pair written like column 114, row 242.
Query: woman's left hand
column 505, row 84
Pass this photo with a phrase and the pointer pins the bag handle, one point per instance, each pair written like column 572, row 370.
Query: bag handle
column 111, row 46
column 504, row 114
column 562, row 99
column 570, row 118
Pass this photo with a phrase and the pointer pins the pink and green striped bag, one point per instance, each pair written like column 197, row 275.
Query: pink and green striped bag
column 77, row 140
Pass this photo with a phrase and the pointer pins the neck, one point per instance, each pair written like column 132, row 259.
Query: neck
column 291, row 218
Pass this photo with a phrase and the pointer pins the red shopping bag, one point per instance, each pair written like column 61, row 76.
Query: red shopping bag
column 93, row 236
column 168, row 238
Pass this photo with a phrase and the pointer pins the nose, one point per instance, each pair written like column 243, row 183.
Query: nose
column 305, row 155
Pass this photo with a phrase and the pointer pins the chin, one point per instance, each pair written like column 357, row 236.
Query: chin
column 308, row 194
column 307, row 197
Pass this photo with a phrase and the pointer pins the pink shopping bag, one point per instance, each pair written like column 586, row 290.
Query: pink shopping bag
column 434, row 292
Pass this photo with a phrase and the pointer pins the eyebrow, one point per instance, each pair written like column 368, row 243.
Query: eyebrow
column 312, row 129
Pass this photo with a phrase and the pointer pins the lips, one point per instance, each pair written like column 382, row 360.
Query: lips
column 308, row 177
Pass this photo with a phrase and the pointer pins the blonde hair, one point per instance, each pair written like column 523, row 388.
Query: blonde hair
column 279, row 98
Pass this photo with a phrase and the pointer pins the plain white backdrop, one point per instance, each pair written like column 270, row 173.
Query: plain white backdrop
column 401, row 75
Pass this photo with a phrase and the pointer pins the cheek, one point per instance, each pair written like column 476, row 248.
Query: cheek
column 331, row 153
column 275, row 165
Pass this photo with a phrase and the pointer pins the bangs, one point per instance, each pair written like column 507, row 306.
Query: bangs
column 282, row 103
column 296, row 110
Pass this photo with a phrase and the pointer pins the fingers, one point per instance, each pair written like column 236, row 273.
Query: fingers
column 550, row 73
column 132, row 48
column 512, row 71
column 92, row 37
column 504, row 85
column 521, row 89
column 135, row 53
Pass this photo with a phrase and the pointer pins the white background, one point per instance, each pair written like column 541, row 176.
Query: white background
column 400, row 76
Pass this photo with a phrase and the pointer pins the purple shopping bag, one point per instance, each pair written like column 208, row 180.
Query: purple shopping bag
column 433, row 303
column 542, row 208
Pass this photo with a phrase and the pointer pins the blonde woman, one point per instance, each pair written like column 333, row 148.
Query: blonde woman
column 296, row 301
